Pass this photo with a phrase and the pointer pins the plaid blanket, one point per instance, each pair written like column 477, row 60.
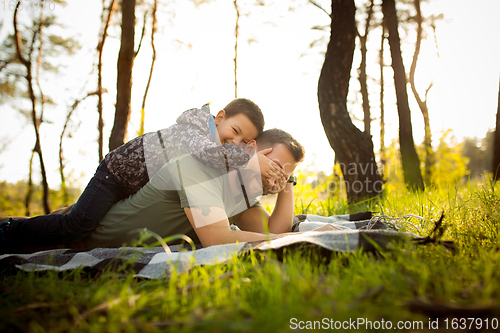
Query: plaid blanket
column 155, row 263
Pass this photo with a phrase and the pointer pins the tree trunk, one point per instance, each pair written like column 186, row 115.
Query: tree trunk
column 362, row 72
column 353, row 148
column 100, row 48
column 236, row 34
column 409, row 157
column 153, row 31
column 124, row 78
column 29, row 192
column 27, row 63
column 496, row 146
column 382, row 107
column 61, row 155
column 422, row 104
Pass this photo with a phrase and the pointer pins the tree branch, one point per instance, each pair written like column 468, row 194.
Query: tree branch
column 142, row 35
column 61, row 157
column 17, row 39
column 321, row 8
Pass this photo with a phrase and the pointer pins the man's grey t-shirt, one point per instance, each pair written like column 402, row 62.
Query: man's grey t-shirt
column 159, row 205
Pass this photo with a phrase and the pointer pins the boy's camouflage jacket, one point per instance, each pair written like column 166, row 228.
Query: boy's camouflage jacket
column 135, row 162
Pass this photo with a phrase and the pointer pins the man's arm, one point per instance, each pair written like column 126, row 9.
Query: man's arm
column 280, row 221
column 217, row 233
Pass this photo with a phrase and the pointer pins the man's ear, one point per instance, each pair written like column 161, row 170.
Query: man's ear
column 220, row 115
column 251, row 147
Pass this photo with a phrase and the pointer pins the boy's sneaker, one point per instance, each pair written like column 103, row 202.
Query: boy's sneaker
column 4, row 226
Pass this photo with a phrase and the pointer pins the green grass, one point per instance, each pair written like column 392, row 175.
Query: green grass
column 259, row 293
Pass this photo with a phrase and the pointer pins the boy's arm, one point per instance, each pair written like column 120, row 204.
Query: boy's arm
column 212, row 154
column 281, row 219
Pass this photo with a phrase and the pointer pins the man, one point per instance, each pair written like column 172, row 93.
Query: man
column 213, row 141
column 185, row 197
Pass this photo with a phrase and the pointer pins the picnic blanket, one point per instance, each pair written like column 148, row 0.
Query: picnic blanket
column 154, row 262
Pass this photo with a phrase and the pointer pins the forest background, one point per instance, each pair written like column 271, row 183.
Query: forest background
column 307, row 79
column 279, row 47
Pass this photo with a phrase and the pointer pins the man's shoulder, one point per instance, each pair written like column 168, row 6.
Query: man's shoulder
column 185, row 171
column 186, row 163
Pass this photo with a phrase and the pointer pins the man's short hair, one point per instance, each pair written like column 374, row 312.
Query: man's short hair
column 274, row 136
column 249, row 109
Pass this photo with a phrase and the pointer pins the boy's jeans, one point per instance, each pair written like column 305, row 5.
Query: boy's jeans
column 102, row 192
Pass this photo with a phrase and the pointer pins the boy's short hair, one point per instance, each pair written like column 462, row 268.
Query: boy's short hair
column 274, row 136
column 249, row 109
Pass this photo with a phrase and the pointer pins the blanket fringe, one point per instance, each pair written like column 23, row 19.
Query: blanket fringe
column 394, row 222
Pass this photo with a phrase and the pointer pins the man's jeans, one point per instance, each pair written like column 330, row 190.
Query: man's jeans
column 102, row 192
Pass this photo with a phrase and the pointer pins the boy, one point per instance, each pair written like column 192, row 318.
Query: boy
column 213, row 141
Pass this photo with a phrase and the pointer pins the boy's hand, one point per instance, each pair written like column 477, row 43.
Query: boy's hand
column 327, row 227
column 268, row 168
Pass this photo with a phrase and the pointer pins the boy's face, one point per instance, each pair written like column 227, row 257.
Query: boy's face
column 237, row 129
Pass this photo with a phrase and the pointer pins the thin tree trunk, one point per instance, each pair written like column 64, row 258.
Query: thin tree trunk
column 362, row 72
column 153, row 31
column 382, row 107
column 61, row 155
column 39, row 65
column 353, row 148
column 27, row 63
column 496, row 152
column 124, row 78
column 29, row 192
column 409, row 157
column 422, row 104
column 236, row 34
column 100, row 48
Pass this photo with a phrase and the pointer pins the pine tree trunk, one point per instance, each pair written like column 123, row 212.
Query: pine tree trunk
column 100, row 48
column 382, row 107
column 29, row 192
column 153, row 31
column 27, row 63
column 362, row 72
column 124, row 78
column 236, row 35
column 496, row 152
column 422, row 104
column 353, row 148
column 409, row 157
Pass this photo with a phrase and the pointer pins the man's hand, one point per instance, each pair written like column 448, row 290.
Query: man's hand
column 279, row 185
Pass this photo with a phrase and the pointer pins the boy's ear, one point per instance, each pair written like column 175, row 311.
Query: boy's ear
column 220, row 115
column 251, row 147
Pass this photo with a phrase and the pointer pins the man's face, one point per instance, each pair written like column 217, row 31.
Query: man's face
column 282, row 156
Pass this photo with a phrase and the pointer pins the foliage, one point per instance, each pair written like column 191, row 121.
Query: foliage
column 478, row 151
column 55, row 47
column 12, row 198
column 450, row 166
